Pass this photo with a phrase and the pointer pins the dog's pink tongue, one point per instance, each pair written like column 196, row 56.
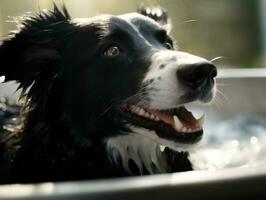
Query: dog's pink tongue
column 164, row 117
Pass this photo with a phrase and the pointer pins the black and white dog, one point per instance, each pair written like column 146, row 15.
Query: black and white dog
column 103, row 97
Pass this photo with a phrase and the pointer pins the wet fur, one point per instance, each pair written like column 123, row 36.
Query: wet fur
column 46, row 143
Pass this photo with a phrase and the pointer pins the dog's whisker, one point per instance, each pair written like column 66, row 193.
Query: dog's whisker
column 189, row 21
column 222, row 94
column 217, row 58
column 104, row 112
column 216, row 103
column 222, row 84
column 137, row 95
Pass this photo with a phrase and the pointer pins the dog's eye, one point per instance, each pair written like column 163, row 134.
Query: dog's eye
column 168, row 45
column 112, row 51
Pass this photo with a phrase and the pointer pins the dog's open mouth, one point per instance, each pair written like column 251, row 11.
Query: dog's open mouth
column 177, row 124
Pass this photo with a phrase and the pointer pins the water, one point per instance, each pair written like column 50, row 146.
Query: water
column 238, row 141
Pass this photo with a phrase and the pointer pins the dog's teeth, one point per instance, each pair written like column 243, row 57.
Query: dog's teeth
column 178, row 123
column 141, row 112
column 152, row 116
column 197, row 129
column 157, row 118
column 147, row 114
column 162, row 148
column 184, row 129
column 133, row 108
column 201, row 120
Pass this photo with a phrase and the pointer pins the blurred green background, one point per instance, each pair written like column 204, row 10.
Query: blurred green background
column 209, row 28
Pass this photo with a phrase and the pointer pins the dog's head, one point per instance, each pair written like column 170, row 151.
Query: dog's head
column 108, row 74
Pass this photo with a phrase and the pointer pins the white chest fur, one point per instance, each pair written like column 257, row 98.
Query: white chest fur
column 143, row 151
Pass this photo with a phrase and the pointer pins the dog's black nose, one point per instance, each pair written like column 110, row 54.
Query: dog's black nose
column 197, row 74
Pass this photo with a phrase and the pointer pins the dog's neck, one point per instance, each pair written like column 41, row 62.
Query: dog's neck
column 147, row 155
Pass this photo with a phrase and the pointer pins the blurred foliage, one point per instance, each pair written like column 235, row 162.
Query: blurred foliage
column 207, row 28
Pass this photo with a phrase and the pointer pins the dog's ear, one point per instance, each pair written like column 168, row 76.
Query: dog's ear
column 156, row 13
column 32, row 52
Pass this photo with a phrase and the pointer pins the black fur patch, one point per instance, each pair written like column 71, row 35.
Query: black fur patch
column 71, row 92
